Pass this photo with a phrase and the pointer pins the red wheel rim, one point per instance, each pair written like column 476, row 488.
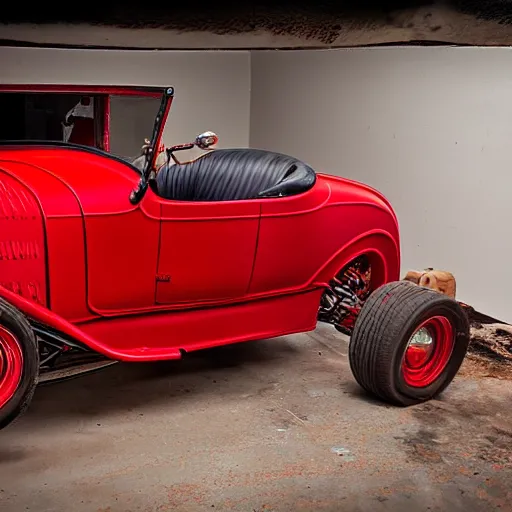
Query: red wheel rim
column 428, row 351
column 11, row 365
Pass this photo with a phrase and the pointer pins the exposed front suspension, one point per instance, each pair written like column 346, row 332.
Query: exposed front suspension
column 341, row 303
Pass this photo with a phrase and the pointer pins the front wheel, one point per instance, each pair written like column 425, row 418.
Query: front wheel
column 19, row 363
column 408, row 343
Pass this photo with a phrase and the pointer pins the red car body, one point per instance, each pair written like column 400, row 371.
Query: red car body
column 147, row 281
column 98, row 256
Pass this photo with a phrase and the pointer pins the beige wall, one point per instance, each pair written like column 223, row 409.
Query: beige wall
column 212, row 88
column 430, row 127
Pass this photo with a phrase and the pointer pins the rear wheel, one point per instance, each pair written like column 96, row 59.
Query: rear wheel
column 19, row 363
column 408, row 343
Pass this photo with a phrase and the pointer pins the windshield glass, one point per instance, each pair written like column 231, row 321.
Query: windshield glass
column 117, row 123
column 131, row 121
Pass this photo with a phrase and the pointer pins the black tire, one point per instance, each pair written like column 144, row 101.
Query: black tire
column 16, row 323
column 378, row 343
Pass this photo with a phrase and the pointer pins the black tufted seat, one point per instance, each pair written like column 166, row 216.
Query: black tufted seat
column 234, row 174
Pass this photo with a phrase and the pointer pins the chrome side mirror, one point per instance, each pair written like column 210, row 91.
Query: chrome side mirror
column 206, row 139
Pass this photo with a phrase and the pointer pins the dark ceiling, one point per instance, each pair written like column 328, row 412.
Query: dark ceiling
column 322, row 20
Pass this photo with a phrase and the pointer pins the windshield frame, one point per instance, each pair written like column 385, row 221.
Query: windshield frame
column 104, row 92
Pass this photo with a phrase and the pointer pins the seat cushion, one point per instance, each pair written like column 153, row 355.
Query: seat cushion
column 234, row 174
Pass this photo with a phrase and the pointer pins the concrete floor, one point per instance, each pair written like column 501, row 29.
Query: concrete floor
column 274, row 425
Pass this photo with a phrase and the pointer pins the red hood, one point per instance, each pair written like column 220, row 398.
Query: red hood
column 70, row 181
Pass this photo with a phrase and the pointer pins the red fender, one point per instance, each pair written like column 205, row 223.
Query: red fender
column 379, row 245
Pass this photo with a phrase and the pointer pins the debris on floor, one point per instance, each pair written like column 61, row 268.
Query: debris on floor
column 490, row 349
column 489, row 337
column 492, row 340
column 343, row 452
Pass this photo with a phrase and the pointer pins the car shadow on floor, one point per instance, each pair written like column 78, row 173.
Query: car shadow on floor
column 239, row 369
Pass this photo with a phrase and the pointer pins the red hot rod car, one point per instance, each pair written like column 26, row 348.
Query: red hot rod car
column 135, row 260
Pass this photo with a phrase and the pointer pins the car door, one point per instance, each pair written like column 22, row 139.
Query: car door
column 207, row 250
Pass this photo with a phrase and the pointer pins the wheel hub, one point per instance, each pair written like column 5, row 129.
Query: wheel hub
column 11, row 365
column 419, row 348
column 428, row 351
